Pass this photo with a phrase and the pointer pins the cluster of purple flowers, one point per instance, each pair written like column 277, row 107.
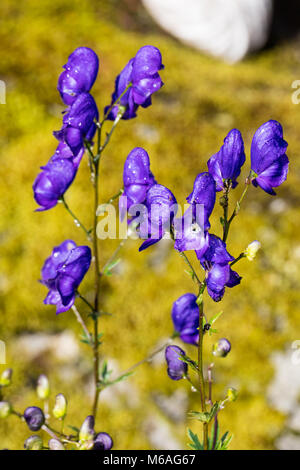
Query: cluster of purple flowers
column 78, row 125
column 269, row 167
column 64, row 270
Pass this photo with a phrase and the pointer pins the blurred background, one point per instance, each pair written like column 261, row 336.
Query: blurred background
column 208, row 91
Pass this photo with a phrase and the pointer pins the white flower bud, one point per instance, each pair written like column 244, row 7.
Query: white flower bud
column 252, row 249
column 5, row 409
column 60, row 408
column 43, row 388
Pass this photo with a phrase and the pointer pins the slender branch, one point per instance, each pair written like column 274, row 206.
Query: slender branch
column 76, row 220
column 224, row 202
column 241, row 256
column 147, row 359
column 97, row 292
column 85, row 301
column 237, row 206
column 115, row 103
column 184, row 256
column 108, row 135
column 81, row 321
column 200, row 370
column 114, row 255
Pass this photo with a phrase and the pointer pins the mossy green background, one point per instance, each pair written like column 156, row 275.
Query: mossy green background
column 201, row 101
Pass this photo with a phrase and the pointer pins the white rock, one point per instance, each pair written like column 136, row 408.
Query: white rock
column 228, row 29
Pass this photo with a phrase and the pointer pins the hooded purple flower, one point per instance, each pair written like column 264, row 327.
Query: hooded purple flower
column 227, row 163
column 269, row 162
column 219, row 274
column 162, row 206
column 56, row 177
column 103, row 441
column 78, row 123
column 189, row 233
column 204, row 193
column 62, row 273
column 177, row 368
column 79, row 75
column 137, row 176
column 185, row 316
column 142, row 72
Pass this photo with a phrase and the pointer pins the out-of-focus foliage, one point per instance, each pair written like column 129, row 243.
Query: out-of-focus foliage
column 201, row 101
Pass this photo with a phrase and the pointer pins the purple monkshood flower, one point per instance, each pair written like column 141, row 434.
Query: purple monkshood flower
column 189, row 233
column 62, row 273
column 219, row 274
column 185, row 317
column 50, row 185
column 79, row 75
column 161, row 208
column 103, row 441
column 177, row 368
column 142, row 72
column 269, row 162
column 137, row 177
column 78, row 122
column 227, row 163
column 204, row 193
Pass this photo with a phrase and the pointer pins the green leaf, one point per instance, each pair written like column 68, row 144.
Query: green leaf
column 215, row 317
column 108, row 269
column 195, row 444
column 224, row 442
column 122, row 377
column 204, row 416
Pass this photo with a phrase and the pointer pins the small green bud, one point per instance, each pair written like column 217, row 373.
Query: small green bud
column 232, row 394
column 43, row 388
column 55, row 444
column 5, row 409
column 87, row 429
column 33, row 443
column 60, row 408
column 6, row 376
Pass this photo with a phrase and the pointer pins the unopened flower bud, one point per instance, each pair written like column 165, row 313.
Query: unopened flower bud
column 87, row 445
column 43, row 388
column 87, row 429
column 221, row 348
column 33, row 443
column 232, row 394
column 60, row 407
column 5, row 409
column 103, row 441
column 34, row 418
column 6, row 377
column 55, row 444
column 252, row 249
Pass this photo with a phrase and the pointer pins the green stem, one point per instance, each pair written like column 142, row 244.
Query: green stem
column 81, row 322
column 184, row 256
column 97, row 292
column 237, row 207
column 242, row 255
column 76, row 220
column 115, row 103
column 200, row 370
